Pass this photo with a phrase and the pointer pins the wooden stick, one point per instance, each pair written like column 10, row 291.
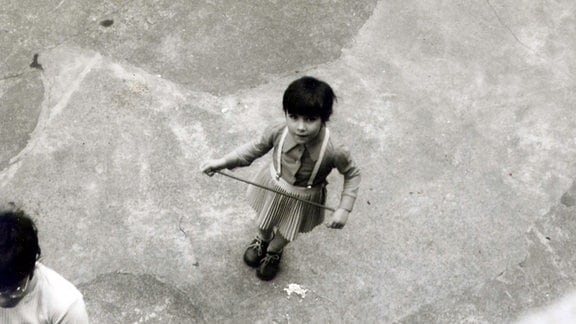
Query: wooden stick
column 276, row 191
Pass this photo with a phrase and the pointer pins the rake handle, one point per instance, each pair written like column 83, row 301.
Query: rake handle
column 276, row 191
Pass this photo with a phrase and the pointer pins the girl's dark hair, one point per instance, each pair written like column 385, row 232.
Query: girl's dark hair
column 309, row 97
column 19, row 249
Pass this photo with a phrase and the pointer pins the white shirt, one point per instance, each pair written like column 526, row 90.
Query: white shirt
column 50, row 299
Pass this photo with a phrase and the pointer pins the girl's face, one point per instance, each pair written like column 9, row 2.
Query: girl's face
column 302, row 128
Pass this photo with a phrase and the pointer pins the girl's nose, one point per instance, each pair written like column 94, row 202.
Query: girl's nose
column 301, row 125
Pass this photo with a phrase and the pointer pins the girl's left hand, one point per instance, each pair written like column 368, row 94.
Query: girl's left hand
column 339, row 219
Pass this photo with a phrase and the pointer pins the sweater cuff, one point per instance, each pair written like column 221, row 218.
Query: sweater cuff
column 347, row 203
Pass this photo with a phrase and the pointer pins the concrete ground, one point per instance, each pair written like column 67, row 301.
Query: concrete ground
column 460, row 114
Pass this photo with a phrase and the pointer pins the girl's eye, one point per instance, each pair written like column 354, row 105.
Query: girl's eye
column 311, row 119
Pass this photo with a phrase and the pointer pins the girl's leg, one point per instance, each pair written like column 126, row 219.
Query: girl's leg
column 265, row 234
column 270, row 264
column 278, row 243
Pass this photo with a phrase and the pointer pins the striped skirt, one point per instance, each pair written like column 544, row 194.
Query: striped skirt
column 289, row 216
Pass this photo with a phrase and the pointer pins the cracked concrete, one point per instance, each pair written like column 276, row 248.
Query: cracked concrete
column 546, row 272
column 459, row 114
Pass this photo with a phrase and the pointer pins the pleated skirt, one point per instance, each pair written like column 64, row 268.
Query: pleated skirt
column 287, row 215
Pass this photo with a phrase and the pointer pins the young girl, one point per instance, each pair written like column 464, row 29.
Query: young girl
column 304, row 153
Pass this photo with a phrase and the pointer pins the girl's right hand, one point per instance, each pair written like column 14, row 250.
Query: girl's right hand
column 211, row 166
column 339, row 219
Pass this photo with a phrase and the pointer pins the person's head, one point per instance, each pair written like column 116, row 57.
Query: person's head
column 307, row 104
column 309, row 97
column 19, row 251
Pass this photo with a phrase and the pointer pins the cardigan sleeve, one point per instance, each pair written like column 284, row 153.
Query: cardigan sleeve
column 352, row 178
column 247, row 153
column 75, row 314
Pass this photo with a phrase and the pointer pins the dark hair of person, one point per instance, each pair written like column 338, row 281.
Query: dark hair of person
column 309, row 97
column 19, row 249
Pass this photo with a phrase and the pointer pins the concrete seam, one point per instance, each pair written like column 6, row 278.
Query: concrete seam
column 73, row 87
column 43, row 122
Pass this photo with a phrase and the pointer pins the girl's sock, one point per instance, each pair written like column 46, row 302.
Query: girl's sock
column 265, row 236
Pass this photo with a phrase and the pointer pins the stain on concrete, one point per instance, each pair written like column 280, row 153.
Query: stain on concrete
column 107, row 22
column 568, row 199
column 20, row 106
column 127, row 298
column 35, row 64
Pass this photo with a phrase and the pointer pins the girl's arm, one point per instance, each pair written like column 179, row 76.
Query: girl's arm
column 347, row 167
column 246, row 154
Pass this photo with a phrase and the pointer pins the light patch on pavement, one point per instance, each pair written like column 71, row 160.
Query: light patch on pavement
column 296, row 289
column 192, row 138
column 562, row 311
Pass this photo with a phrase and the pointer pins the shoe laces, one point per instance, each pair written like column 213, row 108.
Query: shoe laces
column 257, row 245
column 270, row 258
